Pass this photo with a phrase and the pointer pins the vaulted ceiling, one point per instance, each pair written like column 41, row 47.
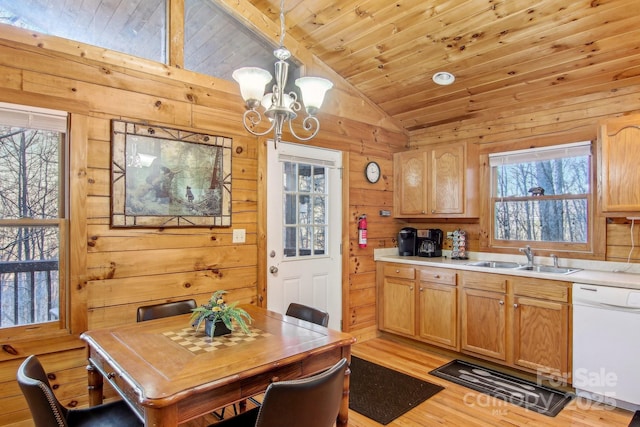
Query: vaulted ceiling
column 502, row 52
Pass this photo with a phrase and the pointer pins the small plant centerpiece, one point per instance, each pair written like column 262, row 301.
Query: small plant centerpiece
column 219, row 317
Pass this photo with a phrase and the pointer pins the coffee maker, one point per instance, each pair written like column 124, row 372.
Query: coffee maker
column 407, row 241
column 429, row 242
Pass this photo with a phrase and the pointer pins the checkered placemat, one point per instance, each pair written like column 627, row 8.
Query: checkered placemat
column 199, row 342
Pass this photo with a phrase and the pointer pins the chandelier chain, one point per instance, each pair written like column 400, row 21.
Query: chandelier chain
column 282, row 28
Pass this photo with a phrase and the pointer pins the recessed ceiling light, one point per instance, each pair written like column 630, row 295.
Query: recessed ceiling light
column 443, row 78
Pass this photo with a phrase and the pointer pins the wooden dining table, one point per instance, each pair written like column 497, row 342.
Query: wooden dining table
column 170, row 374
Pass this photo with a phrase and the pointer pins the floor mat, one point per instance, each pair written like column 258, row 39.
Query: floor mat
column 383, row 394
column 635, row 421
column 527, row 394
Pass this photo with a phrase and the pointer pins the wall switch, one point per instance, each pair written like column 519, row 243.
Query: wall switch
column 239, row 235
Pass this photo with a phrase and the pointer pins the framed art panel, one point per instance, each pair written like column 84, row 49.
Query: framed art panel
column 163, row 177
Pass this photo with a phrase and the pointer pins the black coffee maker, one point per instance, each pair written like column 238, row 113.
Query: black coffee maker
column 407, row 241
column 429, row 242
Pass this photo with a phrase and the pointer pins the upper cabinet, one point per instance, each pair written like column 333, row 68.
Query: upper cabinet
column 435, row 182
column 619, row 173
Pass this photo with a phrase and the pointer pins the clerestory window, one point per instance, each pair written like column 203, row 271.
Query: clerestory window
column 32, row 216
column 542, row 197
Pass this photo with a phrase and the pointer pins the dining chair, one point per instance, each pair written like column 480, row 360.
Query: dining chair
column 167, row 309
column 47, row 411
column 308, row 402
column 303, row 312
column 310, row 314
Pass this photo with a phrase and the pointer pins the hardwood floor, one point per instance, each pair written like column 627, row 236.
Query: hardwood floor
column 459, row 406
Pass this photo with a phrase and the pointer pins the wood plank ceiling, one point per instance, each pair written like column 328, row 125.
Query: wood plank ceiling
column 502, row 52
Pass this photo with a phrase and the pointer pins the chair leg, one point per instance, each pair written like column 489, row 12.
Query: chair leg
column 220, row 415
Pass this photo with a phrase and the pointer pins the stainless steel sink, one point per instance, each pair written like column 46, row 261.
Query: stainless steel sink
column 548, row 269
column 495, row 264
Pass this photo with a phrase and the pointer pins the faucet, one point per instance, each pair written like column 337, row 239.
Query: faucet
column 529, row 254
column 555, row 260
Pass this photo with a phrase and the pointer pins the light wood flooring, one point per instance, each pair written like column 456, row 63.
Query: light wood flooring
column 460, row 406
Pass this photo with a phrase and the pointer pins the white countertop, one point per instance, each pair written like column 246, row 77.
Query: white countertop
column 592, row 272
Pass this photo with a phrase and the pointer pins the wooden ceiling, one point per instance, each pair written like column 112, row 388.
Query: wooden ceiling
column 502, row 52
column 505, row 54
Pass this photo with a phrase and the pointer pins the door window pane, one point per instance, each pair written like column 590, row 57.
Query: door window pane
column 305, row 210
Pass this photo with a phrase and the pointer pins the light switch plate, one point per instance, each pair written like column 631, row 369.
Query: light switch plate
column 239, row 235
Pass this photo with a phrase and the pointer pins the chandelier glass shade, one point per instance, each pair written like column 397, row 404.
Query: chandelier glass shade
column 278, row 106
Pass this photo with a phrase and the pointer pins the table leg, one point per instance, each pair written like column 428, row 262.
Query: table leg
column 161, row 417
column 95, row 385
column 343, row 414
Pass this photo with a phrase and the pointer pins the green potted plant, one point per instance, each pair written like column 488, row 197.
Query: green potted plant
column 219, row 317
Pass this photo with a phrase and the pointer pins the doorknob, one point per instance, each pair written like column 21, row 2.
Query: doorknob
column 273, row 269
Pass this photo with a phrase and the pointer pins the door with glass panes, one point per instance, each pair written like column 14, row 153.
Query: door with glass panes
column 304, row 203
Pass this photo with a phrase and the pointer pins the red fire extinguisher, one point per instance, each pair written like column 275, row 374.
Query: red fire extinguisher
column 362, row 231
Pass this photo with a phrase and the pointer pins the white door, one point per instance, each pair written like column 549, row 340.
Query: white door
column 304, row 205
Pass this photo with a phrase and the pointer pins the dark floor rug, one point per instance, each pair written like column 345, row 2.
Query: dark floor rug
column 527, row 394
column 383, row 394
column 635, row 421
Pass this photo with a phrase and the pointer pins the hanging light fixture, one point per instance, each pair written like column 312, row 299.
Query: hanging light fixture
column 280, row 107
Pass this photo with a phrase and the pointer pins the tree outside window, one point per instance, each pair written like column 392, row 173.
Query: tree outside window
column 31, row 215
column 542, row 195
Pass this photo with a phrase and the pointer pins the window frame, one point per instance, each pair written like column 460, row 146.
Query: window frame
column 59, row 327
column 589, row 249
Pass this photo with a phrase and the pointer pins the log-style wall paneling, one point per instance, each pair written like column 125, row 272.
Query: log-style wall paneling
column 115, row 270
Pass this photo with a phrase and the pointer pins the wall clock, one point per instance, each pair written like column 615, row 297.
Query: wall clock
column 372, row 172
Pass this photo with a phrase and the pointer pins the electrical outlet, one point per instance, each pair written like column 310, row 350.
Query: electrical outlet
column 239, row 235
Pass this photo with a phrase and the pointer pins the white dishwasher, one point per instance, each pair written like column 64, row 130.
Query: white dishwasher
column 606, row 344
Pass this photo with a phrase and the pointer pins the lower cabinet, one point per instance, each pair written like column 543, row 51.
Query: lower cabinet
column 541, row 326
column 419, row 302
column 396, row 295
column 517, row 321
column 483, row 314
column 438, row 307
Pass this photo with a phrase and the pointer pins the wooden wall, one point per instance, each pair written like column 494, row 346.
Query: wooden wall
column 537, row 122
column 113, row 271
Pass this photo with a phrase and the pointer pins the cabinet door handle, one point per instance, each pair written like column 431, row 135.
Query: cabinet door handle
column 501, row 302
column 421, row 289
column 397, row 271
column 436, row 276
column 515, row 305
column 410, row 288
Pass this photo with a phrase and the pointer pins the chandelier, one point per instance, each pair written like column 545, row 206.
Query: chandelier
column 280, row 107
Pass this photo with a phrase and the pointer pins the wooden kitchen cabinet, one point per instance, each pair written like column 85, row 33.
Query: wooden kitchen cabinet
column 396, row 296
column 435, row 182
column 619, row 145
column 438, row 307
column 483, row 315
column 541, row 325
column 427, row 312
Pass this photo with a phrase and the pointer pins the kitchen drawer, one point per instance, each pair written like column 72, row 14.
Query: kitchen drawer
column 437, row 275
column 484, row 281
column 551, row 290
column 400, row 271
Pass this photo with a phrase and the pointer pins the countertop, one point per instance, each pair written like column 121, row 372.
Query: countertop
column 591, row 272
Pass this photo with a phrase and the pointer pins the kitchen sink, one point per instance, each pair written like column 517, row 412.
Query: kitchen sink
column 548, row 269
column 495, row 264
